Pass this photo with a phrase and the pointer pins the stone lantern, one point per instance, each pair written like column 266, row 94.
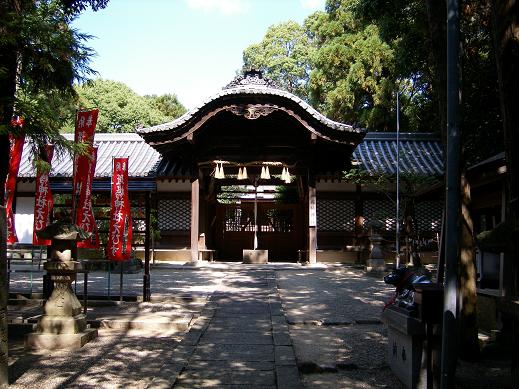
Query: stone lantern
column 62, row 325
column 376, row 263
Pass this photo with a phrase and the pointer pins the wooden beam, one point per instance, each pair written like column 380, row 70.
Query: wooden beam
column 195, row 212
column 312, row 221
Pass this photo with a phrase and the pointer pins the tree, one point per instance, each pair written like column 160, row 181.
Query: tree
column 405, row 30
column 168, row 105
column 40, row 57
column 344, row 66
column 121, row 109
column 350, row 78
column 284, row 55
column 480, row 121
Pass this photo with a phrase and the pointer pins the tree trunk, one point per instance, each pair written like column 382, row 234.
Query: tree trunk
column 469, row 347
column 8, row 61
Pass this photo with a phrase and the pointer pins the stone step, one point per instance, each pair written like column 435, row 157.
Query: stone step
column 144, row 322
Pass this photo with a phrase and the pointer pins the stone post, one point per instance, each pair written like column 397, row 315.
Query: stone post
column 376, row 263
column 62, row 325
column 4, row 289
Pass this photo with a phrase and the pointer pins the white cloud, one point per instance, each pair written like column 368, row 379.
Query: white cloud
column 312, row 4
column 226, row 7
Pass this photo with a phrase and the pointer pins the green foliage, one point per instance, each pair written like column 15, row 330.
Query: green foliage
column 284, row 55
column 121, row 109
column 168, row 105
column 338, row 64
column 77, row 6
column 406, row 30
column 350, row 60
column 384, row 182
column 349, row 82
column 366, row 55
column 50, row 56
column 481, row 121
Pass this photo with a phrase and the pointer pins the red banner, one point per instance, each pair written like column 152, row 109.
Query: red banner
column 85, row 128
column 85, row 215
column 43, row 201
column 15, row 155
column 119, row 242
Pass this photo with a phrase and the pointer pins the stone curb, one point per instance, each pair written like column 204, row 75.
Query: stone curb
column 287, row 373
column 328, row 322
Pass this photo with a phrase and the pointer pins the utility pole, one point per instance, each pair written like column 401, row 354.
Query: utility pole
column 452, row 193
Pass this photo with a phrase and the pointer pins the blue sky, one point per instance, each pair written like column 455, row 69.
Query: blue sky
column 188, row 47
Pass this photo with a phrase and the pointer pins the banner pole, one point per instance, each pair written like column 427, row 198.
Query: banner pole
column 107, row 243
column 121, row 282
column 109, row 283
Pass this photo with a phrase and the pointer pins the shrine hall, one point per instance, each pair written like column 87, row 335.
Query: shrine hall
column 253, row 169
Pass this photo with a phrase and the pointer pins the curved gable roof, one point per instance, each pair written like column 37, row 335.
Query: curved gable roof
column 252, row 96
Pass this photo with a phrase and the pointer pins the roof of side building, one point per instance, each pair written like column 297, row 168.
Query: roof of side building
column 420, row 153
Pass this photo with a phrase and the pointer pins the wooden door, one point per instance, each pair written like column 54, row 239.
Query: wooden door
column 279, row 230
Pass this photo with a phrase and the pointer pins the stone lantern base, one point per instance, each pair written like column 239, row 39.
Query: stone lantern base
column 376, row 264
column 63, row 325
column 255, row 256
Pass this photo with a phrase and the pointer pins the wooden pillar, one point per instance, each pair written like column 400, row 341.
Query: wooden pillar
column 195, row 213
column 202, row 216
column 312, row 220
column 359, row 220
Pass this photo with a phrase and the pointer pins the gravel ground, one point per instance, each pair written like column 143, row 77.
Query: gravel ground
column 165, row 280
column 114, row 359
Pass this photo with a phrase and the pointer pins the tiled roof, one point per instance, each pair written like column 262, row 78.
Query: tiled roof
column 420, row 153
column 251, row 88
column 143, row 159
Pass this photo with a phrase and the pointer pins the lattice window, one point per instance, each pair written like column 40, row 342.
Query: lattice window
column 335, row 215
column 428, row 216
column 139, row 225
column 383, row 210
column 174, row 215
column 239, row 219
column 277, row 220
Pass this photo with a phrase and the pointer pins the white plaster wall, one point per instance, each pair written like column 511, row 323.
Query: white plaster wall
column 24, row 219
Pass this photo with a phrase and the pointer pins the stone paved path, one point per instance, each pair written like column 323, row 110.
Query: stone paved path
column 242, row 341
column 334, row 321
column 261, row 327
